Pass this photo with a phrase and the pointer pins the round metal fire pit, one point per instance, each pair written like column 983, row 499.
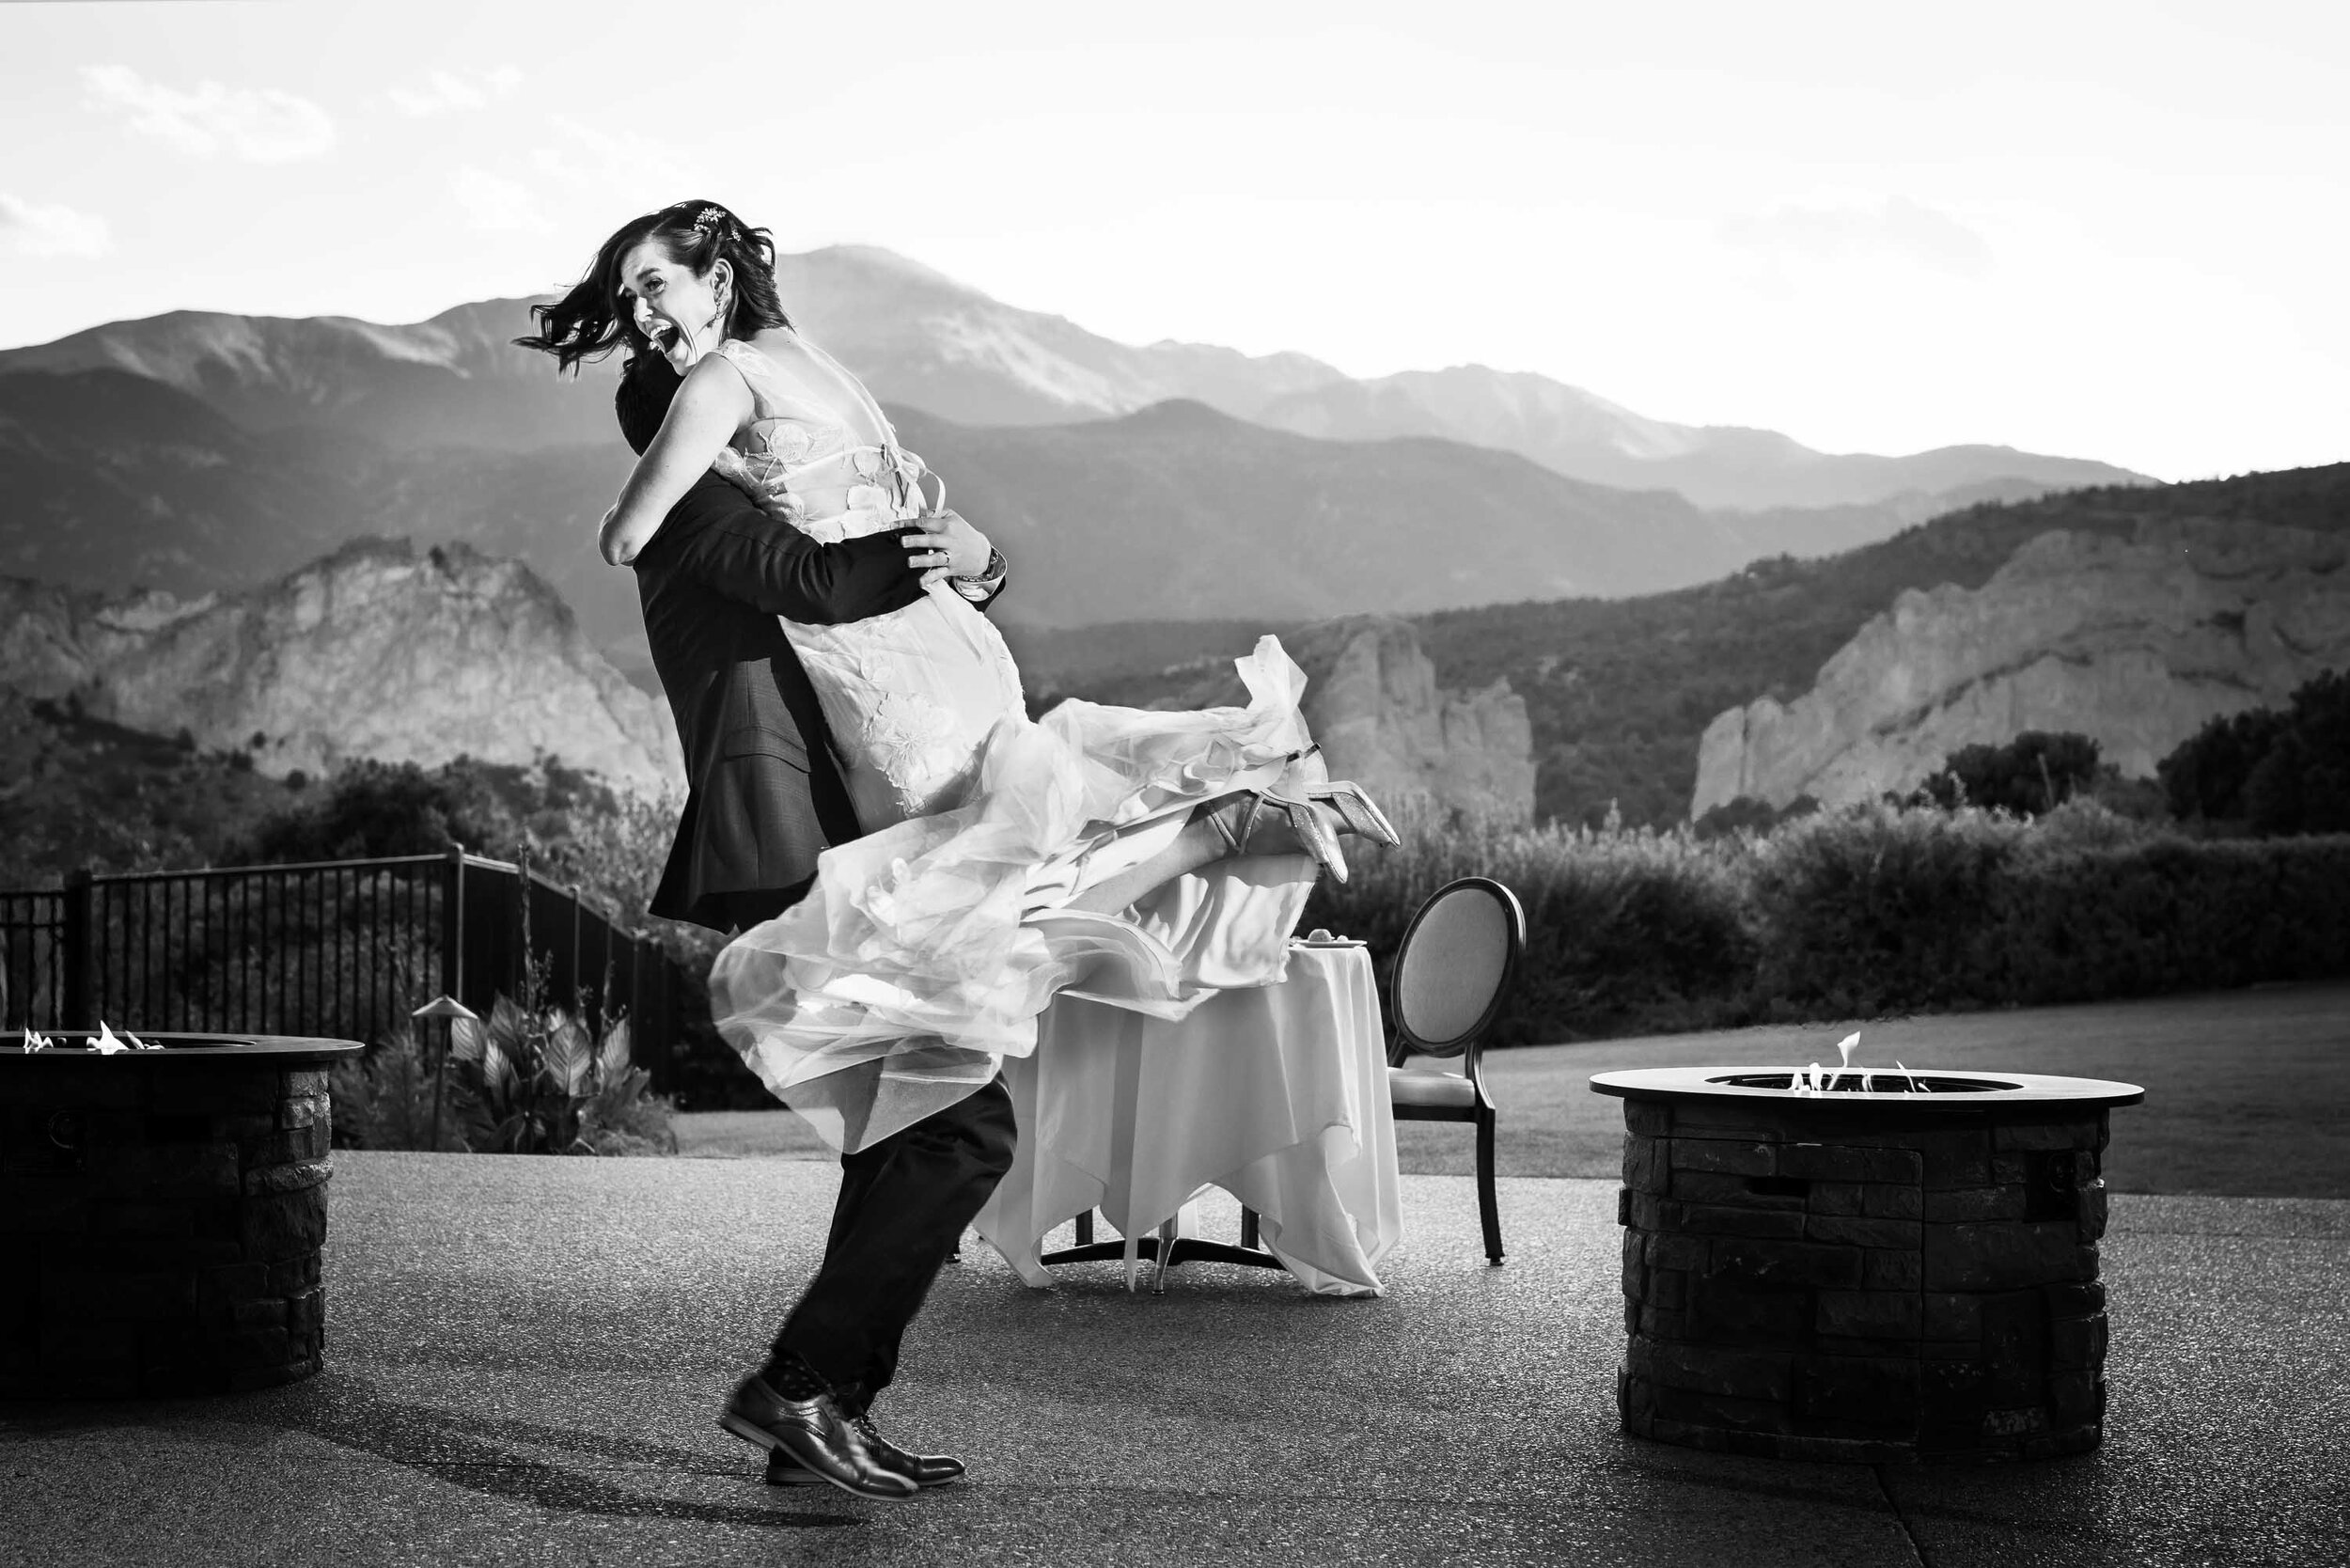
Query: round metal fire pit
column 1900, row 1270
column 162, row 1214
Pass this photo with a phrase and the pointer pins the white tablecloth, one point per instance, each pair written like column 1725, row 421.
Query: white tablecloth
column 1277, row 1094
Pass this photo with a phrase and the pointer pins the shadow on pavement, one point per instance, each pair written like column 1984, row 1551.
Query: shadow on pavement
column 468, row 1450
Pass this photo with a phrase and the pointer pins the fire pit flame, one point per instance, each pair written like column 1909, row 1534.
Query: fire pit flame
column 108, row 1043
column 1814, row 1080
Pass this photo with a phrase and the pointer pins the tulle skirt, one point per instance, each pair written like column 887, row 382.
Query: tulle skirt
column 924, row 952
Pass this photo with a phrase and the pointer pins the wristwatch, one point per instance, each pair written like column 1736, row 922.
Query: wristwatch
column 982, row 587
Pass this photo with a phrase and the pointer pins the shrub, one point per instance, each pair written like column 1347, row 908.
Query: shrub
column 1876, row 907
column 1862, row 912
column 2036, row 771
column 384, row 1100
column 1747, row 814
column 1740, row 814
column 534, row 1083
column 2162, row 913
column 1624, row 929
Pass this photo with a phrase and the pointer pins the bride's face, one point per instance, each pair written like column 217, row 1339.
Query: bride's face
column 677, row 311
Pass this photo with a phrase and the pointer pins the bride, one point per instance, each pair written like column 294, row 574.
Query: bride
column 1138, row 857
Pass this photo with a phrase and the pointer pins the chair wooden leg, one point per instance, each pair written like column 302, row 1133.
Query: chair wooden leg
column 1249, row 1227
column 1488, row 1208
column 1084, row 1228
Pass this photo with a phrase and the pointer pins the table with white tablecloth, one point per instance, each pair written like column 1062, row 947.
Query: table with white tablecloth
column 1277, row 1093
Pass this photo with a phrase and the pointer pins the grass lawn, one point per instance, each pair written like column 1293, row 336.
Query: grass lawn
column 2247, row 1092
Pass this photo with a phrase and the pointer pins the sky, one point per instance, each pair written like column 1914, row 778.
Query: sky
column 2107, row 230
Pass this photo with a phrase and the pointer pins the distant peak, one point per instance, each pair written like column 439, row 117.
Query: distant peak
column 881, row 258
column 1177, row 414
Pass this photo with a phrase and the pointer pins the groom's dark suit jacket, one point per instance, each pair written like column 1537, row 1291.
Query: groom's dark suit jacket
column 764, row 791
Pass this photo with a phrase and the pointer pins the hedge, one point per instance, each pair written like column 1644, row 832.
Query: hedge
column 1865, row 911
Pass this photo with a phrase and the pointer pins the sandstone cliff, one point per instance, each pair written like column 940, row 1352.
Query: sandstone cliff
column 1373, row 703
column 1372, row 699
column 2135, row 642
column 378, row 650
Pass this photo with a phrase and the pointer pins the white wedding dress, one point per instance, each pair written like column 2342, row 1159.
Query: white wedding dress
column 925, row 949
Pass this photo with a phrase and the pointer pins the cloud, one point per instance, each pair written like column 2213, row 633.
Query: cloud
column 262, row 125
column 590, row 159
column 445, row 92
column 1895, row 227
column 496, row 204
column 29, row 229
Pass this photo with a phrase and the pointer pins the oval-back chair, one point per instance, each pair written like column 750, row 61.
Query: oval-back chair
column 1451, row 974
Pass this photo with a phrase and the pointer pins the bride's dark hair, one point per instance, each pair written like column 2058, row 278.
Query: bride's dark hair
column 589, row 322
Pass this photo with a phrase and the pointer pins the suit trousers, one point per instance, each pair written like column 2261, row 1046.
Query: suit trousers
column 903, row 1206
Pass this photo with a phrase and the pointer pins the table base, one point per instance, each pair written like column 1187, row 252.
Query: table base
column 1181, row 1250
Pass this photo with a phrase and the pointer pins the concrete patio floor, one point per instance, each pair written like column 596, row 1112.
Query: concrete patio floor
column 524, row 1355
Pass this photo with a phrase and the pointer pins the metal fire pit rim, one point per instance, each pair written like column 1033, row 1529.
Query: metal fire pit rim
column 1694, row 1085
column 222, row 1045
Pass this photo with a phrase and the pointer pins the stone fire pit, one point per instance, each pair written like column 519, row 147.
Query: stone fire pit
column 1829, row 1274
column 161, row 1214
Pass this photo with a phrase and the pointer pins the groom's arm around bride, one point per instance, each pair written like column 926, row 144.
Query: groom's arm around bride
column 764, row 794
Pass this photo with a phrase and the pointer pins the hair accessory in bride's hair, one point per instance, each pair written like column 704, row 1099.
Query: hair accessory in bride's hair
column 710, row 217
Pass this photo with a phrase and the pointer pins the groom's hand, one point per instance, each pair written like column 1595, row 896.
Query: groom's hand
column 945, row 545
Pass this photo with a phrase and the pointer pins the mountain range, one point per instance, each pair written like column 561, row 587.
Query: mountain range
column 1587, row 437
column 197, row 450
column 919, row 340
column 1619, row 691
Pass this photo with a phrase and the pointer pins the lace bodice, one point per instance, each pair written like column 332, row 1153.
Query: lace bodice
column 910, row 695
column 835, row 472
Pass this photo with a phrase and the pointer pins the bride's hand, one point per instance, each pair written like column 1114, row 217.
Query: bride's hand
column 948, row 546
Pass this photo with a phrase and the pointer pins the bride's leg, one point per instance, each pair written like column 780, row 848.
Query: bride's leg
column 1214, row 833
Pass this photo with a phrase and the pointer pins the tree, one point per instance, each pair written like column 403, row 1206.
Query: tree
column 2037, row 771
column 2204, row 777
column 374, row 809
column 2279, row 772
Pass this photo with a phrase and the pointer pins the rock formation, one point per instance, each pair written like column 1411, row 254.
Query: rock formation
column 2134, row 642
column 1373, row 703
column 378, row 650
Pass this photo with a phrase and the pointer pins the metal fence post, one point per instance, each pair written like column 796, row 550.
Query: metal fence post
column 642, row 1045
column 79, row 939
column 579, row 981
column 453, row 926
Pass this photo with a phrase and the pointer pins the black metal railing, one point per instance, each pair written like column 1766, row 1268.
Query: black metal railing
column 32, row 958
column 343, row 948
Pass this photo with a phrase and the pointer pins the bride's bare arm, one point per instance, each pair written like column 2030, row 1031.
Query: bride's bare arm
column 708, row 410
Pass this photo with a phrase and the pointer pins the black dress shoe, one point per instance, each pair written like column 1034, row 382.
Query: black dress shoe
column 923, row 1469
column 813, row 1433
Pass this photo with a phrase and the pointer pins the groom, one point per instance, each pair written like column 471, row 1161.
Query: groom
column 765, row 797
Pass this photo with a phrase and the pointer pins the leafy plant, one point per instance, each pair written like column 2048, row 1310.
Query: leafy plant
column 534, row 1082
column 384, row 1099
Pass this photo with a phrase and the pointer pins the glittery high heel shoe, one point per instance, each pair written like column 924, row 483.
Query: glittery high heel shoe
column 1309, row 818
column 1355, row 808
